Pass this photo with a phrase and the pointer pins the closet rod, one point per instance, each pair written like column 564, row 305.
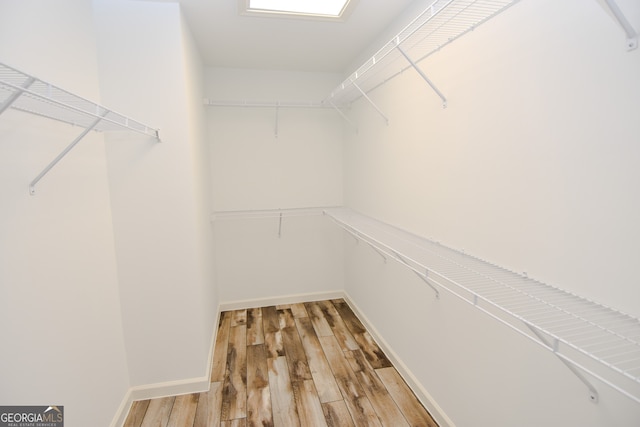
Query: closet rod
column 267, row 104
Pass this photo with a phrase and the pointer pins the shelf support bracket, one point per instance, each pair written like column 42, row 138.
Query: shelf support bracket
column 32, row 185
column 632, row 35
column 593, row 393
column 344, row 116
column 15, row 95
column 373, row 104
column 423, row 75
column 424, row 278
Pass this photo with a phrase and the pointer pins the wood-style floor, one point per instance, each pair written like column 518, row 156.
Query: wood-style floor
column 311, row 364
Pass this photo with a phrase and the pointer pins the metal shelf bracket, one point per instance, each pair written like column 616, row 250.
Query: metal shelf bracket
column 631, row 33
column 422, row 74
column 373, row 104
column 593, row 393
column 15, row 95
column 344, row 116
column 32, row 185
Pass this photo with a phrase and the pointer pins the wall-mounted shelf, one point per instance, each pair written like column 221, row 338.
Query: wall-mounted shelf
column 29, row 94
column 278, row 214
column 438, row 25
column 586, row 336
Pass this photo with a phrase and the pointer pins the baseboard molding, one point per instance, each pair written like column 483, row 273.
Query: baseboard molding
column 421, row 393
column 286, row 299
column 169, row 388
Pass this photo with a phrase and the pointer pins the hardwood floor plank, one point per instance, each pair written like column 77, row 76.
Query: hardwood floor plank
column 219, row 364
column 357, row 402
column 320, row 324
column 299, row 310
column 239, row 318
column 209, row 407
column 293, row 350
column 380, row 399
column 234, row 394
column 158, row 412
column 240, row 422
column 337, row 414
column 308, row 403
column 348, row 316
column 258, row 392
column 337, row 325
column 255, row 334
column 136, row 413
column 272, row 369
column 369, row 347
column 285, row 412
column 272, row 332
column 325, row 382
column 410, row 406
column 184, row 410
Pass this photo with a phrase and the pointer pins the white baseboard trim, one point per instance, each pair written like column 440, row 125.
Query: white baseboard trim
column 421, row 393
column 168, row 388
column 286, row 299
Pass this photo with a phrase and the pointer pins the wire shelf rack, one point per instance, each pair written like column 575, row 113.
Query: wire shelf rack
column 26, row 93
column 29, row 94
column 435, row 27
column 588, row 337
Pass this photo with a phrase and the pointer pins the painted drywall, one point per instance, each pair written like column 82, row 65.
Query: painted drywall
column 60, row 317
column 259, row 258
column 268, row 158
column 148, row 66
column 263, row 158
column 532, row 166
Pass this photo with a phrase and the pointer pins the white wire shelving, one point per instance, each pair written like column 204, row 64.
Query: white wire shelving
column 442, row 22
column 587, row 337
column 26, row 93
column 278, row 214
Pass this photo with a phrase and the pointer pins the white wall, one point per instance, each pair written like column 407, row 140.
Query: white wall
column 60, row 317
column 533, row 166
column 253, row 169
column 160, row 200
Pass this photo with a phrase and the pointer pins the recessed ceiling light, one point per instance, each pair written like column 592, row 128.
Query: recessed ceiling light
column 331, row 9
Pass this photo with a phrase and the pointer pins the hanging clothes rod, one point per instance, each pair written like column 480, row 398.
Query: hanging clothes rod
column 268, row 213
column 267, row 104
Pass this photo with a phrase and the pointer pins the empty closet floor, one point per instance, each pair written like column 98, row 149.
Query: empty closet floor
column 310, row 364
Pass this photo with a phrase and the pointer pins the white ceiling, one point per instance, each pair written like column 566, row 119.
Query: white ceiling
column 227, row 39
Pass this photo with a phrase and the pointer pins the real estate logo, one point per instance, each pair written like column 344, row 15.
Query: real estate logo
column 32, row 416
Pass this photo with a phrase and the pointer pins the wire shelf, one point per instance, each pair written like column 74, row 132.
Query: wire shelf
column 438, row 25
column 596, row 339
column 26, row 93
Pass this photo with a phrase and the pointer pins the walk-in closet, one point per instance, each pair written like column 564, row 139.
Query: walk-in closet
column 408, row 212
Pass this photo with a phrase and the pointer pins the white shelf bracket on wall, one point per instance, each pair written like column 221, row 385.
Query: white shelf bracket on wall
column 423, row 75
column 373, row 104
column 593, row 393
column 344, row 116
column 29, row 94
column 630, row 32
column 32, row 185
